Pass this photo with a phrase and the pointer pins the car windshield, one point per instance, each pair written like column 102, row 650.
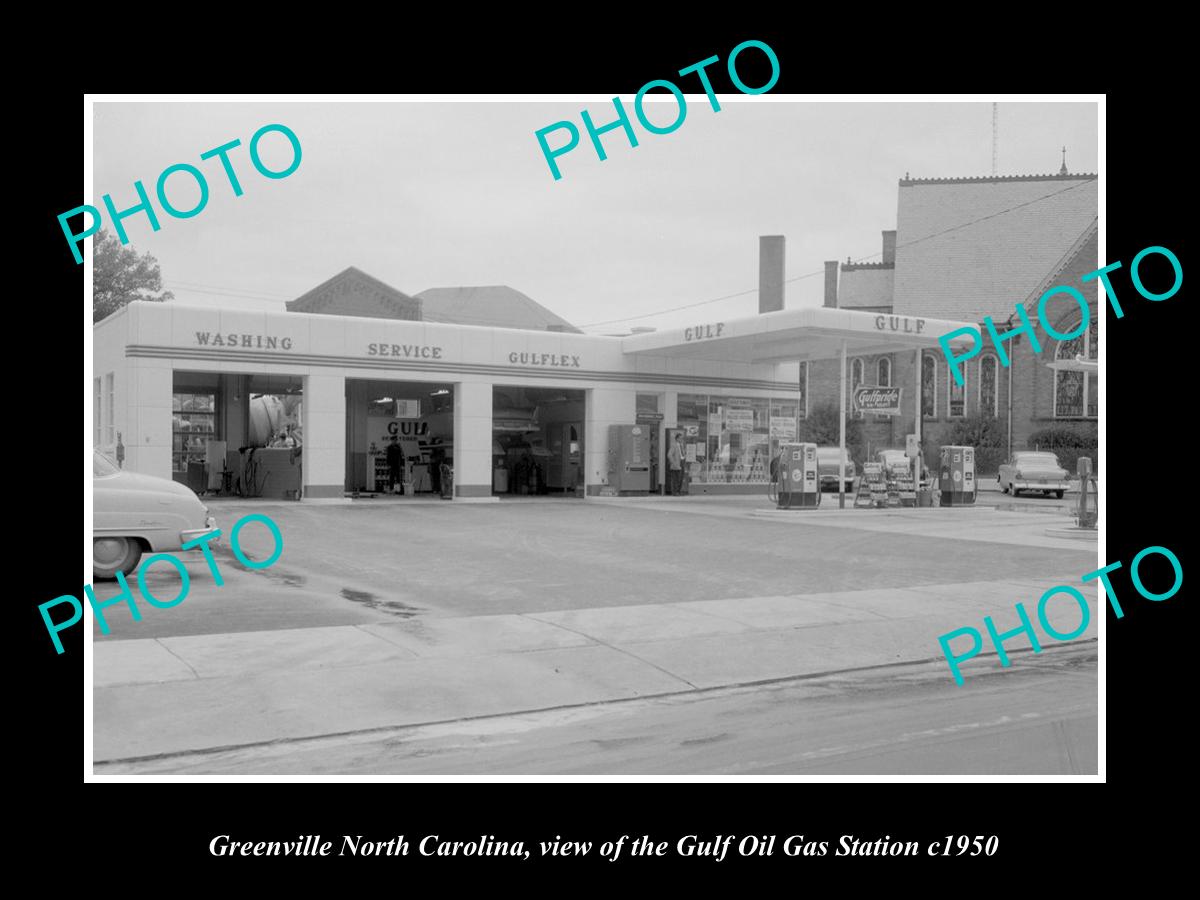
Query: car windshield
column 102, row 465
column 828, row 453
column 1037, row 459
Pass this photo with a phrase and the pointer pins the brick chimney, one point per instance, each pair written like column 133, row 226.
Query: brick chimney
column 770, row 273
column 889, row 248
column 831, row 276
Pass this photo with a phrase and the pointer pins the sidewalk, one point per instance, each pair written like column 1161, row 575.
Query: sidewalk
column 204, row 692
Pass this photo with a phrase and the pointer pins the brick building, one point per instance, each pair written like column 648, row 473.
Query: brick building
column 966, row 248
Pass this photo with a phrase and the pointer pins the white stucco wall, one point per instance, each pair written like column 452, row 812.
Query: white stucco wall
column 146, row 343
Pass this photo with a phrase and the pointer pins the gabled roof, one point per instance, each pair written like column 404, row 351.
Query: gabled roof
column 974, row 247
column 352, row 292
column 1086, row 242
column 497, row 305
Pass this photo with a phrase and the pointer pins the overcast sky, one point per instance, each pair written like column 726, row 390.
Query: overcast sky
column 439, row 194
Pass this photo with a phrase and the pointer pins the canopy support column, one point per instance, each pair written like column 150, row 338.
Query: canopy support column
column 841, row 436
column 918, row 462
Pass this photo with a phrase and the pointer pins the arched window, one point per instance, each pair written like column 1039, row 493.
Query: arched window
column 928, row 385
column 883, row 374
column 857, row 375
column 989, row 385
column 1076, row 394
column 957, row 404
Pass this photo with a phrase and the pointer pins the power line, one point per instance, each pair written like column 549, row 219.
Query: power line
column 219, row 292
column 860, row 259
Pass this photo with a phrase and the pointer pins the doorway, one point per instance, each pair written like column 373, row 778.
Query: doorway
column 537, row 441
column 650, row 416
column 418, row 417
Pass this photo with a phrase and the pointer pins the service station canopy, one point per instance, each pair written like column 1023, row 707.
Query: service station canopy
column 789, row 335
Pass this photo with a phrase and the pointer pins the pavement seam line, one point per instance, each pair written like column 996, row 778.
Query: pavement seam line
column 380, row 637
column 701, row 612
column 195, row 674
column 663, row 695
column 858, row 608
column 612, row 647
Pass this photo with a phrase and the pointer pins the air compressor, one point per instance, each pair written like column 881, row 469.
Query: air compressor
column 799, row 483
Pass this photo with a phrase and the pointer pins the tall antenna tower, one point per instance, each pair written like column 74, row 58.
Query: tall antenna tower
column 995, row 137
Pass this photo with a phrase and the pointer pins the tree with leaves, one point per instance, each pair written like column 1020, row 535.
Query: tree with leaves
column 120, row 275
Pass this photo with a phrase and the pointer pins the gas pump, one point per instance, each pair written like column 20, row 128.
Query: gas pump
column 957, row 480
column 799, row 484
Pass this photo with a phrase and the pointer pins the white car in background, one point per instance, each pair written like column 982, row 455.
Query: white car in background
column 1032, row 470
column 133, row 514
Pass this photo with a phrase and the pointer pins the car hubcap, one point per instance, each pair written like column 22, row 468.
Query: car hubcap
column 109, row 552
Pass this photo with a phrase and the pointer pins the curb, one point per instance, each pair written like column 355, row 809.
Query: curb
column 384, row 729
column 1074, row 533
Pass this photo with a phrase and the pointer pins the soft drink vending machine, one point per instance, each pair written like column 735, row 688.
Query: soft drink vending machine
column 957, row 476
column 629, row 458
column 799, row 484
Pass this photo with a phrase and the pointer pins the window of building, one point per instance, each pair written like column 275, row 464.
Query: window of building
column 989, row 385
column 957, row 402
column 883, row 372
column 109, row 407
column 194, row 425
column 1076, row 394
column 783, row 423
column 97, row 408
column 929, row 385
column 726, row 439
column 883, row 377
column 857, row 377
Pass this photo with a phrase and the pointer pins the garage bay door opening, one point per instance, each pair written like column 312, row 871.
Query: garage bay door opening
column 537, row 441
column 415, row 417
column 237, row 435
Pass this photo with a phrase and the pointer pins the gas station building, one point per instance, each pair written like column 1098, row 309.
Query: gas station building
column 175, row 385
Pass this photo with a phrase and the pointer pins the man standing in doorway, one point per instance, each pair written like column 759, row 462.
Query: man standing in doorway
column 437, row 456
column 395, row 460
column 675, row 459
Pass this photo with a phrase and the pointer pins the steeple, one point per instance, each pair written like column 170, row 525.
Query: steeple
column 1063, row 170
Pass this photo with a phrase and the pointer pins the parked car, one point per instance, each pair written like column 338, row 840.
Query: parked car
column 827, row 469
column 1033, row 470
column 133, row 514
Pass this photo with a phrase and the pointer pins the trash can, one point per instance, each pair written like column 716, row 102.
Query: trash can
column 957, row 476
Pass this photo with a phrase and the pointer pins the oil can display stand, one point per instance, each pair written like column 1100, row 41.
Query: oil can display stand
column 873, row 488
